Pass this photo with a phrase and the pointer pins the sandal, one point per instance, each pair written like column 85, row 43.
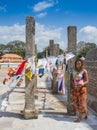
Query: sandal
column 86, row 115
column 78, row 120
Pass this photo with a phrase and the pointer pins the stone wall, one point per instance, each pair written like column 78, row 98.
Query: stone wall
column 92, row 55
column 91, row 67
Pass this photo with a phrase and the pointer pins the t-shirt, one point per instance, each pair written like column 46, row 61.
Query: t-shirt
column 78, row 77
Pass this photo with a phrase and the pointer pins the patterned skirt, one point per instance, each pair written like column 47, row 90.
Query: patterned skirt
column 79, row 97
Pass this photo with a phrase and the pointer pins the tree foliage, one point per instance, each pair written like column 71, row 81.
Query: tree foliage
column 83, row 48
column 16, row 47
column 46, row 52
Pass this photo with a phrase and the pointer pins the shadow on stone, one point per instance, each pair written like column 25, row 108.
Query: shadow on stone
column 10, row 114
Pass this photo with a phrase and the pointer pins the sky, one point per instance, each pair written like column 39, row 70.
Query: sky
column 52, row 18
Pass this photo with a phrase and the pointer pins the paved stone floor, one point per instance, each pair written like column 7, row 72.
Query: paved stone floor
column 48, row 102
column 52, row 110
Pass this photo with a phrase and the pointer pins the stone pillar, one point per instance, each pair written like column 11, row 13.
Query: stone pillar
column 53, row 52
column 29, row 109
column 51, row 42
column 72, row 38
column 56, row 50
column 54, row 85
column 30, row 36
column 35, row 48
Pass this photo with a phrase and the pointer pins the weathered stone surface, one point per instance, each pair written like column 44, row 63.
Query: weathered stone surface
column 29, row 96
column 30, row 114
column 71, row 47
column 30, row 36
column 56, row 50
column 51, row 43
column 92, row 55
column 35, row 48
column 54, row 82
column 91, row 67
column 31, row 85
column 72, row 38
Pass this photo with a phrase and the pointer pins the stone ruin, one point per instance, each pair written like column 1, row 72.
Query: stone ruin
column 91, row 66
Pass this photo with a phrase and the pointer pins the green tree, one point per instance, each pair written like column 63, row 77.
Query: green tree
column 17, row 47
column 2, row 48
column 83, row 48
column 47, row 50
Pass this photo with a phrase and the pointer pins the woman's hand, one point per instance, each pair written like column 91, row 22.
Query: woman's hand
column 81, row 84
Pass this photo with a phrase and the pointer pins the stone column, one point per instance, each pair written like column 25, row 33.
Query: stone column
column 29, row 110
column 30, row 36
column 56, row 50
column 72, row 38
column 35, row 48
column 54, row 84
column 51, row 42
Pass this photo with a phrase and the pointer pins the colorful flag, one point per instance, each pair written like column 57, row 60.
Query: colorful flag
column 21, row 67
column 29, row 75
column 60, row 87
column 41, row 72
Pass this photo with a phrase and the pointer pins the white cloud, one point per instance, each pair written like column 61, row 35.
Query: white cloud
column 3, row 8
column 43, row 5
column 42, row 36
column 41, row 15
column 10, row 33
column 88, row 34
column 62, row 45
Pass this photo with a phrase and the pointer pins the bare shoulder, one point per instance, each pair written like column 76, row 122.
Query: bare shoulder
column 85, row 71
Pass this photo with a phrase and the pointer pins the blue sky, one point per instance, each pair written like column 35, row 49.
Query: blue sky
column 52, row 19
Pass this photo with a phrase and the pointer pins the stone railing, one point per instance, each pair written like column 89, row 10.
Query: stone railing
column 91, row 67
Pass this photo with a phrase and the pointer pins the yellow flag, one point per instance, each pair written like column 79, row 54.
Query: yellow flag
column 29, row 75
column 40, row 66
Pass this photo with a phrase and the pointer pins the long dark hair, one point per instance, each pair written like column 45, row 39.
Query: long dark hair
column 81, row 68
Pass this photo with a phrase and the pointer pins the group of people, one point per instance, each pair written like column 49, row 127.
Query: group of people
column 79, row 81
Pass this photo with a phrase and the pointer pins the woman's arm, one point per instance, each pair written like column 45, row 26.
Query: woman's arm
column 86, row 79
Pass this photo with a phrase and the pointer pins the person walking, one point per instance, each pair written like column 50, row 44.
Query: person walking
column 79, row 90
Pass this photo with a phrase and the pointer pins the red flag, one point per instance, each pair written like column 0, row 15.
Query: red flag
column 21, row 67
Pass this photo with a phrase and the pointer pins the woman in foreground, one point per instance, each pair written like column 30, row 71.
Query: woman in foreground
column 79, row 90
